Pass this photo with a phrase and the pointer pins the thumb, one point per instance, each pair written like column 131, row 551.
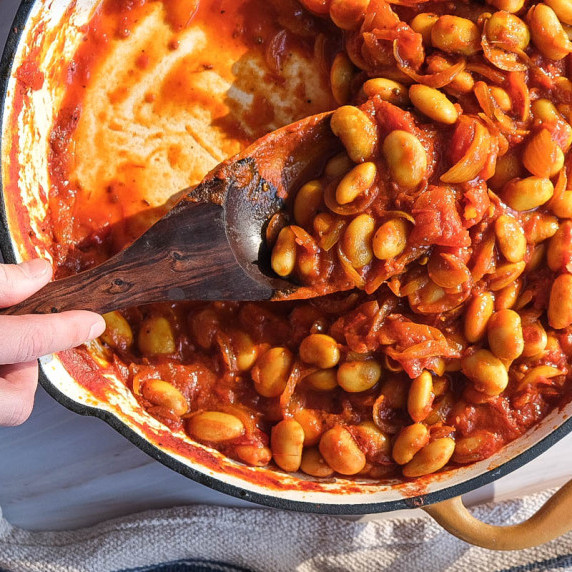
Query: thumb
column 20, row 281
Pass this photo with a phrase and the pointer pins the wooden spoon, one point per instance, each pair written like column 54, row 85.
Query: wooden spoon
column 211, row 245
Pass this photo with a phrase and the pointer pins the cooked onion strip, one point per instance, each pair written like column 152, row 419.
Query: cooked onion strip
column 331, row 238
column 399, row 214
column 474, row 160
column 291, row 384
column 436, row 80
column 540, row 374
column 500, row 119
column 362, row 203
column 350, row 271
column 520, row 94
column 137, row 384
column 491, row 74
column 504, row 57
column 304, row 239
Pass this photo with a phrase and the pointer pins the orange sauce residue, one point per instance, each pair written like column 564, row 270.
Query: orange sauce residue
column 207, row 70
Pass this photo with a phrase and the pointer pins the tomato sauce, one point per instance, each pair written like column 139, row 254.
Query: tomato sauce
column 215, row 75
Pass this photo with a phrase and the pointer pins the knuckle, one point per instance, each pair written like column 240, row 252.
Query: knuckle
column 18, row 413
column 32, row 344
column 6, row 281
column 16, row 403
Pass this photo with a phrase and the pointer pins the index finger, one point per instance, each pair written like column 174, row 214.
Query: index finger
column 26, row 338
column 20, row 281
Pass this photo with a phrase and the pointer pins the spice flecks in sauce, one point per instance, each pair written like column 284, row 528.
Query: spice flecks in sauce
column 152, row 107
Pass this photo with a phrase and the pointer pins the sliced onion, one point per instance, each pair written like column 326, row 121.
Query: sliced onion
column 228, row 354
column 485, row 99
column 503, row 144
column 383, row 274
column 399, row 214
column 293, row 380
column 500, row 119
column 413, row 285
column 337, row 303
column 502, row 57
column 275, row 52
column 387, row 306
column 538, row 374
column 485, row 257
column 562, row 183
column 305, row 239
column 486, row 71
column 525, row 298
column 379, row 277
column 278, row 221
column 474, row 160
column 363, row 202
column 425, row 349
column 408, row 2
column 331, row 238
column 559, row 187
column 350, row 271
column 137, row 384
column 385, row 417
column 518, row 86
column 436, row 80
column 248, row 419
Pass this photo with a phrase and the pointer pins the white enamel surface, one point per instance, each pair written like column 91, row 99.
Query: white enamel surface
column 34, row 127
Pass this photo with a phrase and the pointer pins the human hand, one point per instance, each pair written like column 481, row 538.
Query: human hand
column 23, row 339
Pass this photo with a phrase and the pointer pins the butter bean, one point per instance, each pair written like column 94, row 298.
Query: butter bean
column 357, row 376
column 456, row 35
column 283, row 259
column 505, row 337
column 341, row 452
column 433, row 103
column 431, row 458
column 409, row 441
column 486, row 371
column 387, row 89
column 560, row 303
column 357, row 240
column 320, row 350
column 477, row 315
column 357, row 132
column 215, row 426
column 406, row 158
column 156, row 336
column 390, row 239
column 161, row 393
column 420, row 397
column 271, row 372
column 286, row 444
column 118, row 333
column 357, row 182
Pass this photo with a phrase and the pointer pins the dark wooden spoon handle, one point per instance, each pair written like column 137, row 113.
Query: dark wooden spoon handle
column 183, row 256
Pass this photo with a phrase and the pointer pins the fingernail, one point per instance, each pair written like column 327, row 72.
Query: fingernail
column 97, row 329
column 36, row 268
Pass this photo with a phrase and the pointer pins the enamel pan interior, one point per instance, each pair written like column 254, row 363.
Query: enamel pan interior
column 52, row 29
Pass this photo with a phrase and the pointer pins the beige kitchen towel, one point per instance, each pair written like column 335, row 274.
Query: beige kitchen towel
column 206, row 538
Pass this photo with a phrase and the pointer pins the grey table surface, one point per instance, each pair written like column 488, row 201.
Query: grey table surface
column 60, row 470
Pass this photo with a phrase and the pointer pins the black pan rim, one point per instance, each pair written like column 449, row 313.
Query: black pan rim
column 216, row 483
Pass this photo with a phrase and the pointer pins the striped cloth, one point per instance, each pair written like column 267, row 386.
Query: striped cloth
column 209, row 539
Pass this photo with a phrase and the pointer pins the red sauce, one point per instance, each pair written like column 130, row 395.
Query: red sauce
column 211, row 354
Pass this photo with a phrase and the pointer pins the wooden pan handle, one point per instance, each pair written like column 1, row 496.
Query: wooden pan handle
column 552, row 520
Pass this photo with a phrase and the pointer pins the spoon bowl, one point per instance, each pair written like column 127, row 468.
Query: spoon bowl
column 211, row 245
